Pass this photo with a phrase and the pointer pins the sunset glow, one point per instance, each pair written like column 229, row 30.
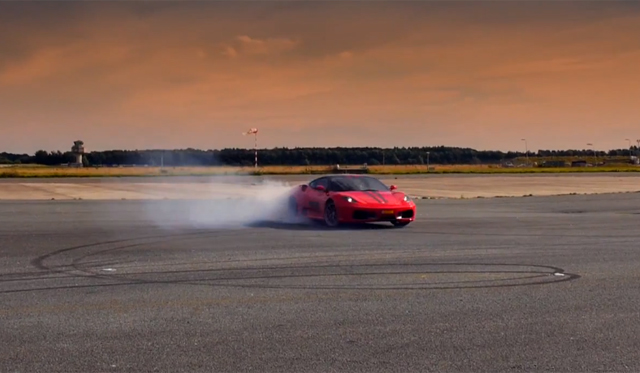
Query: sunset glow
column 196, row 74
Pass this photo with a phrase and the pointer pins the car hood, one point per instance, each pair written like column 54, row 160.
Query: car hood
column 377, row 198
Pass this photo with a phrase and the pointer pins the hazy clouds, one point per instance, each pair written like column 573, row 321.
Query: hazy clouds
column 196, row 74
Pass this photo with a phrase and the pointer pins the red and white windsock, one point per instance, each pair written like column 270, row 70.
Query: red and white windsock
column 254, row 131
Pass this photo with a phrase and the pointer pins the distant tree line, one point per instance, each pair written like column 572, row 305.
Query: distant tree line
column 294, row 156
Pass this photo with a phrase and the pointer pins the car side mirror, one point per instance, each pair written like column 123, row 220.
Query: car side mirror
column 393, row 187
column 320, row 188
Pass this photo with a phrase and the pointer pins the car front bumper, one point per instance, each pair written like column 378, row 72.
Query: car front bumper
column 359, row 213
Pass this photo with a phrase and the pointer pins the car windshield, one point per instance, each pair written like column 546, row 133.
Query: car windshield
column 360, row 183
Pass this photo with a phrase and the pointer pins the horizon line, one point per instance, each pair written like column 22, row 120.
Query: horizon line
column 430, row 148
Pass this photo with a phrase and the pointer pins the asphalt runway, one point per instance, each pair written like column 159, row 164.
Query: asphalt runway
column 417, row 186
column 498, row 285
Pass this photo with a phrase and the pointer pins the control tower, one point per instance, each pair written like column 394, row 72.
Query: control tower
column 78, row 150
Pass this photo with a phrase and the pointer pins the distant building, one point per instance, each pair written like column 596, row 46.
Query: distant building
column 78, row 150
column 579, row 164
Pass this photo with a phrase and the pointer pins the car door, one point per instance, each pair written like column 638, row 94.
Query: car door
column 316, row 198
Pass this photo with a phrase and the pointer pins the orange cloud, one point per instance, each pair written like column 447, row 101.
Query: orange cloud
column 408, row 74
column 246, row 45
column 267, row 46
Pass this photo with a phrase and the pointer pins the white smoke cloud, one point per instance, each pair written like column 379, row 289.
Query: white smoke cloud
column 233, row 203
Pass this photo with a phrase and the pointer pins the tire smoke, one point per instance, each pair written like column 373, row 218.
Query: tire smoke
column 229, row 204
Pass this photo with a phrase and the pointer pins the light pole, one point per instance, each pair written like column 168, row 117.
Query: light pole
column 526, row 150
column 427, row 161
column 629, row 141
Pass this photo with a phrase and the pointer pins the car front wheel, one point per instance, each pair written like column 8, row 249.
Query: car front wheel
column 331, row 214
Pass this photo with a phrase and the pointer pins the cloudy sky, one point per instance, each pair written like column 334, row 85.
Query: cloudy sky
column 482, row 74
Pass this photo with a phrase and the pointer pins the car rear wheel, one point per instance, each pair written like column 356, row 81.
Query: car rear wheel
column 293, row 207
column 331, row 214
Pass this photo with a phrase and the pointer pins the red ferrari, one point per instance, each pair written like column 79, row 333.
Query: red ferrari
column 351, row 199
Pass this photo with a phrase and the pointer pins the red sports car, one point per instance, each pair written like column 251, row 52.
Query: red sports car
column 351, row 199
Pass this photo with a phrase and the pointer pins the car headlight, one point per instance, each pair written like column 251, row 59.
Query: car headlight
column 406, row 198
column 350, row 200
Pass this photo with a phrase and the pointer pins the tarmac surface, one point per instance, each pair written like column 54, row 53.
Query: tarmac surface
column 418, row 186
column 497, row 285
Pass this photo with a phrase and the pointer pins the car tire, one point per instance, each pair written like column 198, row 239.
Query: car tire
column 331, row 214
column 292, row 208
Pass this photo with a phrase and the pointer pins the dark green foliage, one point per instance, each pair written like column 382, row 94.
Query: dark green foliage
column 293, row 156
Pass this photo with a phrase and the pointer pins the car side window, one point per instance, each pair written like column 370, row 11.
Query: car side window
column 335, row 187
column 323, row 181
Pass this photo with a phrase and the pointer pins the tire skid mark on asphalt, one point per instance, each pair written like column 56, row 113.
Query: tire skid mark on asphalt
column 39, row 262
column 383, row 255
column 67, row 271
column 80, row 268
column 349, row 265
column 128, row 281
column 75, row 266
column 42, row 276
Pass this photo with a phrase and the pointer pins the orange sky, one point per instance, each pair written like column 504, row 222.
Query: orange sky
column 485, row 75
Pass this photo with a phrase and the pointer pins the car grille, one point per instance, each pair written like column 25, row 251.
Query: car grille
column 365, row 215
column 407, row 214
